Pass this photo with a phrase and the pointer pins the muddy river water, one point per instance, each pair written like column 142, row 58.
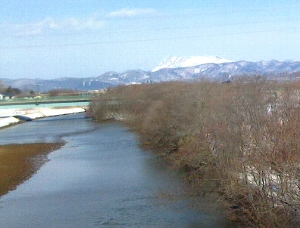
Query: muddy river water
column 100, row 178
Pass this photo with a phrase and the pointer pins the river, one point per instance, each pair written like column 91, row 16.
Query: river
column 100, row 178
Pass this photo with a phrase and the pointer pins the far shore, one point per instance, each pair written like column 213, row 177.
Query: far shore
column 14, row 116
column 18, row 162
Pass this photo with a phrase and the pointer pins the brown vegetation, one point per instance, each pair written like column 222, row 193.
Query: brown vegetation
column 240, row 139
column 19, row 161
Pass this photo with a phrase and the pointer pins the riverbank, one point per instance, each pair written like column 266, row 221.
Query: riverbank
column 240, row 140
column 13, row 116
column 18, row 162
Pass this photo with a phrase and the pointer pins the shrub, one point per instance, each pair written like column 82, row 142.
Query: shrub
column 241, row 137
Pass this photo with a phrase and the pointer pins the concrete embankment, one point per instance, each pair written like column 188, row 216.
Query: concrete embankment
column 13, row 116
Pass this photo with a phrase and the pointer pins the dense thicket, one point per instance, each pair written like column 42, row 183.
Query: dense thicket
column 241, row 138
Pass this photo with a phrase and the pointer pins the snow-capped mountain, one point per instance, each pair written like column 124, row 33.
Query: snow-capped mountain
column 178, row 62
column 219, row 70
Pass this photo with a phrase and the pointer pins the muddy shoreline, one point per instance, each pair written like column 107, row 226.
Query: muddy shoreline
column 18, row 162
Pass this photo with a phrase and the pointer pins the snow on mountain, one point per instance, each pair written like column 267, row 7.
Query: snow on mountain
column 177, row 69
column 177, row 62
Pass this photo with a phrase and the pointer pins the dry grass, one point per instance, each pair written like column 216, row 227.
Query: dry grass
column 18, row 162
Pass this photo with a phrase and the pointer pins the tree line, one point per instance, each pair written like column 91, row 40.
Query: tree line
column 29, row 92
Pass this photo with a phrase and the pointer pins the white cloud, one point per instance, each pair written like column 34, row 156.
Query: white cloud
column 49, row 25
column 132, row 12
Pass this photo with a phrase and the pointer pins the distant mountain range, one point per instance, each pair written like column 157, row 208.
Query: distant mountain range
column 176, row 68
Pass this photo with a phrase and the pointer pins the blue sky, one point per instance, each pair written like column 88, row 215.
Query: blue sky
column 86, row 38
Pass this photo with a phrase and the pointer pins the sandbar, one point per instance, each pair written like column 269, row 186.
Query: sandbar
column 18, row 162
